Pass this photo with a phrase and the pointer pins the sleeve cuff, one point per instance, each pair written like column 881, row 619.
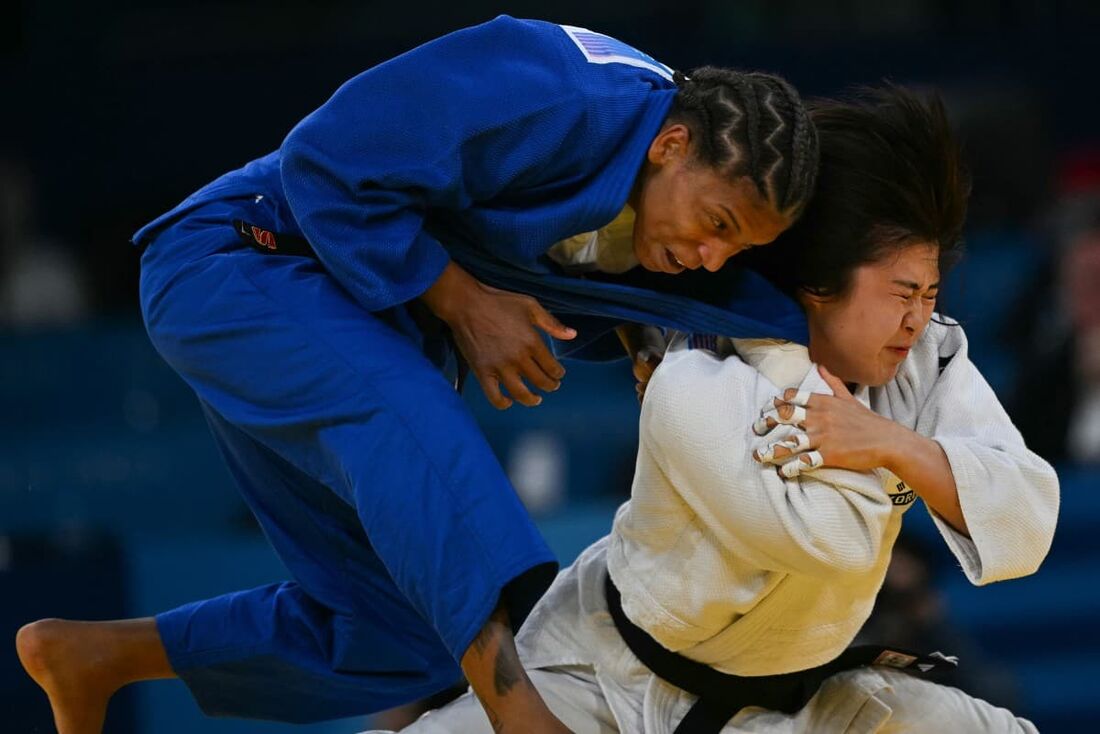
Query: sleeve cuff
column 964, row 548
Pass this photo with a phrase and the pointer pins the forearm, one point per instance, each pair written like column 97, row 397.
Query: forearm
column 921, row 463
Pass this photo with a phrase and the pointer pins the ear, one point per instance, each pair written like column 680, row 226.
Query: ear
column 673, row 141
column 812, row 302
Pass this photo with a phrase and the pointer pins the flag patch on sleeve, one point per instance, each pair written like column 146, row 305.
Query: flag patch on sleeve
column 703, row 341
column 601, row 49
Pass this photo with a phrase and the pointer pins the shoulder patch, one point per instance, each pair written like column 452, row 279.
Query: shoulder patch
column 601, row 49
column 708, row 342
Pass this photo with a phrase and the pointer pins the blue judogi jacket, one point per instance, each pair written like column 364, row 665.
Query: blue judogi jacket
column 487, row 146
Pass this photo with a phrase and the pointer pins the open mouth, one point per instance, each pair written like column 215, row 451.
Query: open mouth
column 673, row 261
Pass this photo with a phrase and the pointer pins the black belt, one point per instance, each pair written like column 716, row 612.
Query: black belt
column 722, row 695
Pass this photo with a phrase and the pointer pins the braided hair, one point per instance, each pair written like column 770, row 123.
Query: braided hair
column 750, row 124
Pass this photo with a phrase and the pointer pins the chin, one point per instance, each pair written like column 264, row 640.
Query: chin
column 884, row 376
column 869, row 378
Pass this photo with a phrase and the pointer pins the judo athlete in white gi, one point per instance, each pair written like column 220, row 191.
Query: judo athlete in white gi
column 768, row 492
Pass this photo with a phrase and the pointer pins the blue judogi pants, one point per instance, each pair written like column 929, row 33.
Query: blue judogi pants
column 366, row 471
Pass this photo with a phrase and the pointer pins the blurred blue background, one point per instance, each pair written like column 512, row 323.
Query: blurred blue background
column 113, row 501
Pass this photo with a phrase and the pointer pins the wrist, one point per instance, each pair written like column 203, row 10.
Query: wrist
column 906, row 450
column 900, row 445
column 450, row 294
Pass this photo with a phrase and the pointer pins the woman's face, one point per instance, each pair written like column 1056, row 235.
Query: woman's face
column 688, row 216
column 864, row 335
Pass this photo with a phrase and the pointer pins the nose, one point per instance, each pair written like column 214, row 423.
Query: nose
column 714, row 255
column 917, row 315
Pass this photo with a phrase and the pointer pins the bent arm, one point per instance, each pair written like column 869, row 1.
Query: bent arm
column 922, row 464
column 696, row 428
column 1008, row 496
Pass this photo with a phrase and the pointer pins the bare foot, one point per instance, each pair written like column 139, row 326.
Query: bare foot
column 71, row 661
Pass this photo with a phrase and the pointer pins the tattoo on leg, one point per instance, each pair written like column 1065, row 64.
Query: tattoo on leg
column 483, row 640
column 491, row 632
column 507, row 671
column 493, row 649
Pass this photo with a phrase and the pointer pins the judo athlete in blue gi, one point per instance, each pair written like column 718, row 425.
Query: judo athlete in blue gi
column 321, row 301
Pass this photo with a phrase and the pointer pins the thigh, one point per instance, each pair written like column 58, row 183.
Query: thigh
column 282, row 354
column 919, row 706
column 278, row 349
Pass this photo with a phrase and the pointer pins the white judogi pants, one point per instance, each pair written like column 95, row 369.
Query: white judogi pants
column 593, row 682
column 908, row 704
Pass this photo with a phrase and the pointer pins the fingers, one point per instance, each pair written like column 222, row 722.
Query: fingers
column 514, row 383
column 804, row 464
column 794, row 455
column 490, row 385
column 787, row 414
column 545, row 321
column 794, row 397
column 547, row 362
column 518, row 390
column 794, row 444
column 644, row 367
column 532, row 371
column 835, row 383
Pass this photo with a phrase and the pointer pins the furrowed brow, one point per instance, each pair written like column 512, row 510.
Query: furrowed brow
column 916, row 286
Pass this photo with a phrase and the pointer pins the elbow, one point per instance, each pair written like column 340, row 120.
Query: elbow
column 308, row 158
column 296, row 155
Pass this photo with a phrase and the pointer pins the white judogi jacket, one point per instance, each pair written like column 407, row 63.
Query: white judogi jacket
column 721, row 560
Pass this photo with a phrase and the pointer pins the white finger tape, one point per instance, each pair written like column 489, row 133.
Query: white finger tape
column 798, row 415
column 802, row 397
column 791, row 469
column 761, row 427
column 804, row 463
